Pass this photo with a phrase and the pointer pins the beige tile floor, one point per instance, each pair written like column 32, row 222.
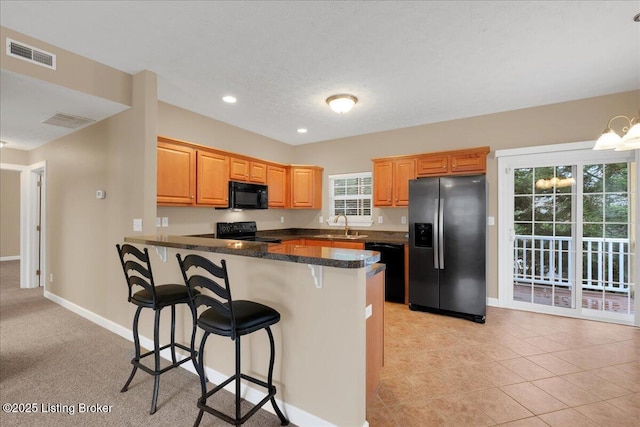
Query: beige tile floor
column 518, row 369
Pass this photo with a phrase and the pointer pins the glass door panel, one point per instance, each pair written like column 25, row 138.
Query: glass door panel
column 607, row 282
column 544, row 224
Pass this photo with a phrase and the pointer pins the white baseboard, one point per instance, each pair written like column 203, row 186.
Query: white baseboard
column 253, row 395
column 10, row 258
column 493, row 302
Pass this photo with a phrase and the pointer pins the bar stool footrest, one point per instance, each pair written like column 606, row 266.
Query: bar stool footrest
column 237, row 421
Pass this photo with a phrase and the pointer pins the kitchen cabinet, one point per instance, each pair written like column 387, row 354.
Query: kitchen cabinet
column 277, row 181
column 334, row 244
column 247, row 170
column 459, row 162
column 375, row 333
column 391, row 181
column 306, row 187
column 212, row 179
column 176, row 169
column 190, row 174
column 347, row 245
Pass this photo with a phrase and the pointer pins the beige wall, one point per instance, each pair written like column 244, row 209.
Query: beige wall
column 175, row 122
column 82, row 231
column 72, row 71
column 14, row 157
column 574, row 121
column 9, row 213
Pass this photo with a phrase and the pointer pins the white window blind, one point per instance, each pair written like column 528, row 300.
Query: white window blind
column 351, row 195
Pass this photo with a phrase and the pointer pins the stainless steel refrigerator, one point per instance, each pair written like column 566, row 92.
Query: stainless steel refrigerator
column 447, row 246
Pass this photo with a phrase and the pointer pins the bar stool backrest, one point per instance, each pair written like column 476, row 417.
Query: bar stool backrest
column 137, row 269
column 203, row 277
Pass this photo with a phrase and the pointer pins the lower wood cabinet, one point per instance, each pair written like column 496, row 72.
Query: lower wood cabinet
column 375, row 333
column 334, row 244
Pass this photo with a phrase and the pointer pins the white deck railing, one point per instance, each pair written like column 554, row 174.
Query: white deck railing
column 548, row 260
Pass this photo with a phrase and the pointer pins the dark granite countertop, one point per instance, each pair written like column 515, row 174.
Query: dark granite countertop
column 397, row 237
column 330, row 257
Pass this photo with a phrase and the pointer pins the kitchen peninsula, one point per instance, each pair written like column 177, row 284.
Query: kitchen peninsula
column 329, row 340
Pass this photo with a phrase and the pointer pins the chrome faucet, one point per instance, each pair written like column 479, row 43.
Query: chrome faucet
column 346, row 223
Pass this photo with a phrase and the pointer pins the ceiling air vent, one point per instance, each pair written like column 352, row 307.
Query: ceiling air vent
column 28, row 53
column 67, row 121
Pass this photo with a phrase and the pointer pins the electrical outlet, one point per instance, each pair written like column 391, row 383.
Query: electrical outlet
column 491, row 221
column 380, row 220
column 281, row 220
column 165, row 221
column 320, row 220
column 137, row 224
column 403, row 219
column 51, row 278
column 158, row 223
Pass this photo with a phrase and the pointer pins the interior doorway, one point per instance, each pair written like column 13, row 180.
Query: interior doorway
column 32, row 223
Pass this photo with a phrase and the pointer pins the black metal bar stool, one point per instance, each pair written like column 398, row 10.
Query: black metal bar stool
column 231, row 319
column 137, row 271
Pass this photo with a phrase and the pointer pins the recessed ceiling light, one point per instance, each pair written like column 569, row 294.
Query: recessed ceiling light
column 302, row 130
column 229, row 99
column 342, row 103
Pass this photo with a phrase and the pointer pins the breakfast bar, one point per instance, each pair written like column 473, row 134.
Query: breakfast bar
column 329, row 339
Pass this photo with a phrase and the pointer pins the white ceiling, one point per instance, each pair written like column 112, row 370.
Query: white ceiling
column 409, row 63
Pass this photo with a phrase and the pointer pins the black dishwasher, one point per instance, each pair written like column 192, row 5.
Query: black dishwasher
column 393, row 256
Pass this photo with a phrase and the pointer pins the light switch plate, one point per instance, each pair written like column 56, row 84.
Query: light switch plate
column 137, row 224
column 165, row 221
column 403, row 219
column 158, row 221
column 491, row 220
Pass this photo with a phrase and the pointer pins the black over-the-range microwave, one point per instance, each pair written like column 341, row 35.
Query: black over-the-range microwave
column 243, row 195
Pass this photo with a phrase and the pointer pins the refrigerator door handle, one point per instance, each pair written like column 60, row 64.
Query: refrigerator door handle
column 441, row 235
column 435, row 236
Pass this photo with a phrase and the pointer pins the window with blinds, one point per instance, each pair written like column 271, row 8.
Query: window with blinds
column 351, row 195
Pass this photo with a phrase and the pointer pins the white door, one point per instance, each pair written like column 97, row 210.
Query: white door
column 567, row 233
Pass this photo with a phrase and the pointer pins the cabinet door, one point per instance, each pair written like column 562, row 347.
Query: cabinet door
column 277, row 182
column 348, row 245
column 238, row 169
column 403, row 171
column 258, row 172
column 306, row 188
column 468, row 162
column 433, row 165
column 213, row 179
column 383, row 183
column 314, row 242
column 176, row 179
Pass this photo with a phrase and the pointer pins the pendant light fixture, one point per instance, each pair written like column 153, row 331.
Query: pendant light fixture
column 342, row 103
column 629, row 141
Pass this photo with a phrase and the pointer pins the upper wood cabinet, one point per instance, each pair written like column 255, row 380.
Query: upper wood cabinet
column 176, row 175
column 247, row 170
column 306, row 187
column 212, row 179
column 460, row 162
column 277, row 181
column 391, row 181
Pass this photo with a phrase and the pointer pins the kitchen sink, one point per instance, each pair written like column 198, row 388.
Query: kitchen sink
column 341, row 236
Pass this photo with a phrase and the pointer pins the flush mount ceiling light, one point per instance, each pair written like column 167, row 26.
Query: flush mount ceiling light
column 342, row 103
column 630, row 141
column 229, row 99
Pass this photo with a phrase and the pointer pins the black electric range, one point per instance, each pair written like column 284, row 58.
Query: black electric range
column 245, row 230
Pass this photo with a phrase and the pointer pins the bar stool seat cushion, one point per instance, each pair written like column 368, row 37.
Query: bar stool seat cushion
column 250, row 316
column 165, row 295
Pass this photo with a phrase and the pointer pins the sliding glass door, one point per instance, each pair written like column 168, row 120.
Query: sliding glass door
column 569, row 228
